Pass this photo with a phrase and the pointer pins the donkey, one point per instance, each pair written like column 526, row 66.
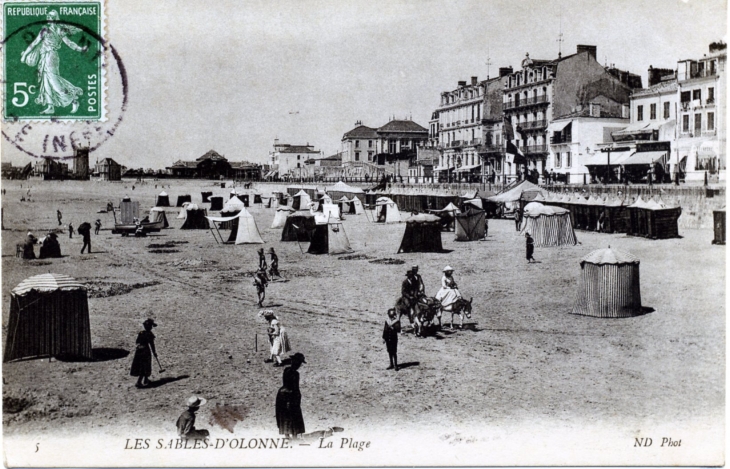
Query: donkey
column 460, row 307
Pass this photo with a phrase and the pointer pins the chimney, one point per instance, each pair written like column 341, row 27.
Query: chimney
column 503, row 71
column 462, row 83
column 590, row 49
column 625, row 111
column 594, row 110
column 656, row 74
column 473, row 81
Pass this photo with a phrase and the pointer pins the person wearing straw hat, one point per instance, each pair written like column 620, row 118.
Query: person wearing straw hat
column 449, row 292
column 529, row 248
column 142, row 361
column 289, row 417
column 186, row 421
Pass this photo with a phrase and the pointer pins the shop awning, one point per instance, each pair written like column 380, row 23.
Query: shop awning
column 709, row 148
column 646, row 157
column 557, row 126
column 465, row 169
column 636, row 128
column 601, row 158
column 443, row 168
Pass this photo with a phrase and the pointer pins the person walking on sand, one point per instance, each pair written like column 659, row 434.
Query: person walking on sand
column 260, row 282
column 97, row 226
column 59, row 216
column 289, row 417
column 186, row 422
column 529, row 248
column 274, row 267
column 85, row 232
column 70, row 231
column 142, row 361
column 390, row 337
column 278, row 338
column 262, row 260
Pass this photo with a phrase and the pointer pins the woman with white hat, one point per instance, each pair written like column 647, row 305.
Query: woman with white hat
column 449, row 292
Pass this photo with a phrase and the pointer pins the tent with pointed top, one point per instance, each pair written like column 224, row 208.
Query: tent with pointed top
column 356, row 207
column 300, row 200
column 548, row 225
column 49, row 317
column 282, row 212
column 422, row 234
column 158, row 214
column 163, row 200
column 609, row 286
column 448, row 216
column 344, row 204
column 386, row 211
column 329, row 238
column 243, row 228
column 652, row 220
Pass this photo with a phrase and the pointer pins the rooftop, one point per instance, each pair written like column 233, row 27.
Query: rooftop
column 361, row 131
column 402, row 126
column 212, row 155
column 662, row 87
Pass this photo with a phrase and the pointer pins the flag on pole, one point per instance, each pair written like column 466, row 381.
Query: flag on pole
column 514, row 154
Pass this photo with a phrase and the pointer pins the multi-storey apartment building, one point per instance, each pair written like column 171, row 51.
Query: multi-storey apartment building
column 544, row 91
column 701, row 134
column 288, row 160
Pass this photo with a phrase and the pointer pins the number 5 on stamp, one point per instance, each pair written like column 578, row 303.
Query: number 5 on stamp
column 53, row 61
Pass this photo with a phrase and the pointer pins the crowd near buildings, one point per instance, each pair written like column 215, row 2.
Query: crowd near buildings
column 568, row 119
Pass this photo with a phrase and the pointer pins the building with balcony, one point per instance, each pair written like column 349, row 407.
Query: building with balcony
column 701, row 133
column 460, row 131
column 245, row 170
column 544, row 91
column 388, row 149
column 288, row 161
column 108, row 170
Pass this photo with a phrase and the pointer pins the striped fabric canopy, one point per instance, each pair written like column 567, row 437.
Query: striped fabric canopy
column 48, row 283
column 610, row 256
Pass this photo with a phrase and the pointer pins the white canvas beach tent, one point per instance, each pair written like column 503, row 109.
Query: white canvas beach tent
column 392, row 214
column 301, row 200
column 234, row 204
column 356, row 204
column 280, row 217
column 244, row 229
column 183, row 210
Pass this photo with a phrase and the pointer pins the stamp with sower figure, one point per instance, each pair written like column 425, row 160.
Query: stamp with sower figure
column 53, row 61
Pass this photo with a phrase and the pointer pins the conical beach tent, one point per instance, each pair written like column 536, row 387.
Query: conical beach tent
column 329, row 238
column 548, row 225
column 243, row 228
column 280, row 216
column 471, row 225
column 300, row 200
column 609, row 285
column 163, row 200
column 158, row 214
column 49, row 317
column 356, row 207
column 299, row 226
column 195, row 218
column 423, row 234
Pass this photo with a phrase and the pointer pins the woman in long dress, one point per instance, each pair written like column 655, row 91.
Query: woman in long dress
column 54, row 90
column 289, row 417
column 278, row 338
column 449, row 292
column 142, row 362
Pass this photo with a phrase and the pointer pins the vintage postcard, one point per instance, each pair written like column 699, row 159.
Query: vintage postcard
column 363, row 233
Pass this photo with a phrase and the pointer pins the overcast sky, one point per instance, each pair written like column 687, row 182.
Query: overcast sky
column 233, row 75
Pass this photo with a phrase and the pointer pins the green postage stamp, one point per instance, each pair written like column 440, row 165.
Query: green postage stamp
column 53, row 61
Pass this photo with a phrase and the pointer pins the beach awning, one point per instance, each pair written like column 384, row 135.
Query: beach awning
column 557, row 126
column 645, row 157
column 222, row 219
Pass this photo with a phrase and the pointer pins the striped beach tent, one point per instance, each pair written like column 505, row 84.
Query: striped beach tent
column 49, row 317
column 549, row 226
column 609, row 285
